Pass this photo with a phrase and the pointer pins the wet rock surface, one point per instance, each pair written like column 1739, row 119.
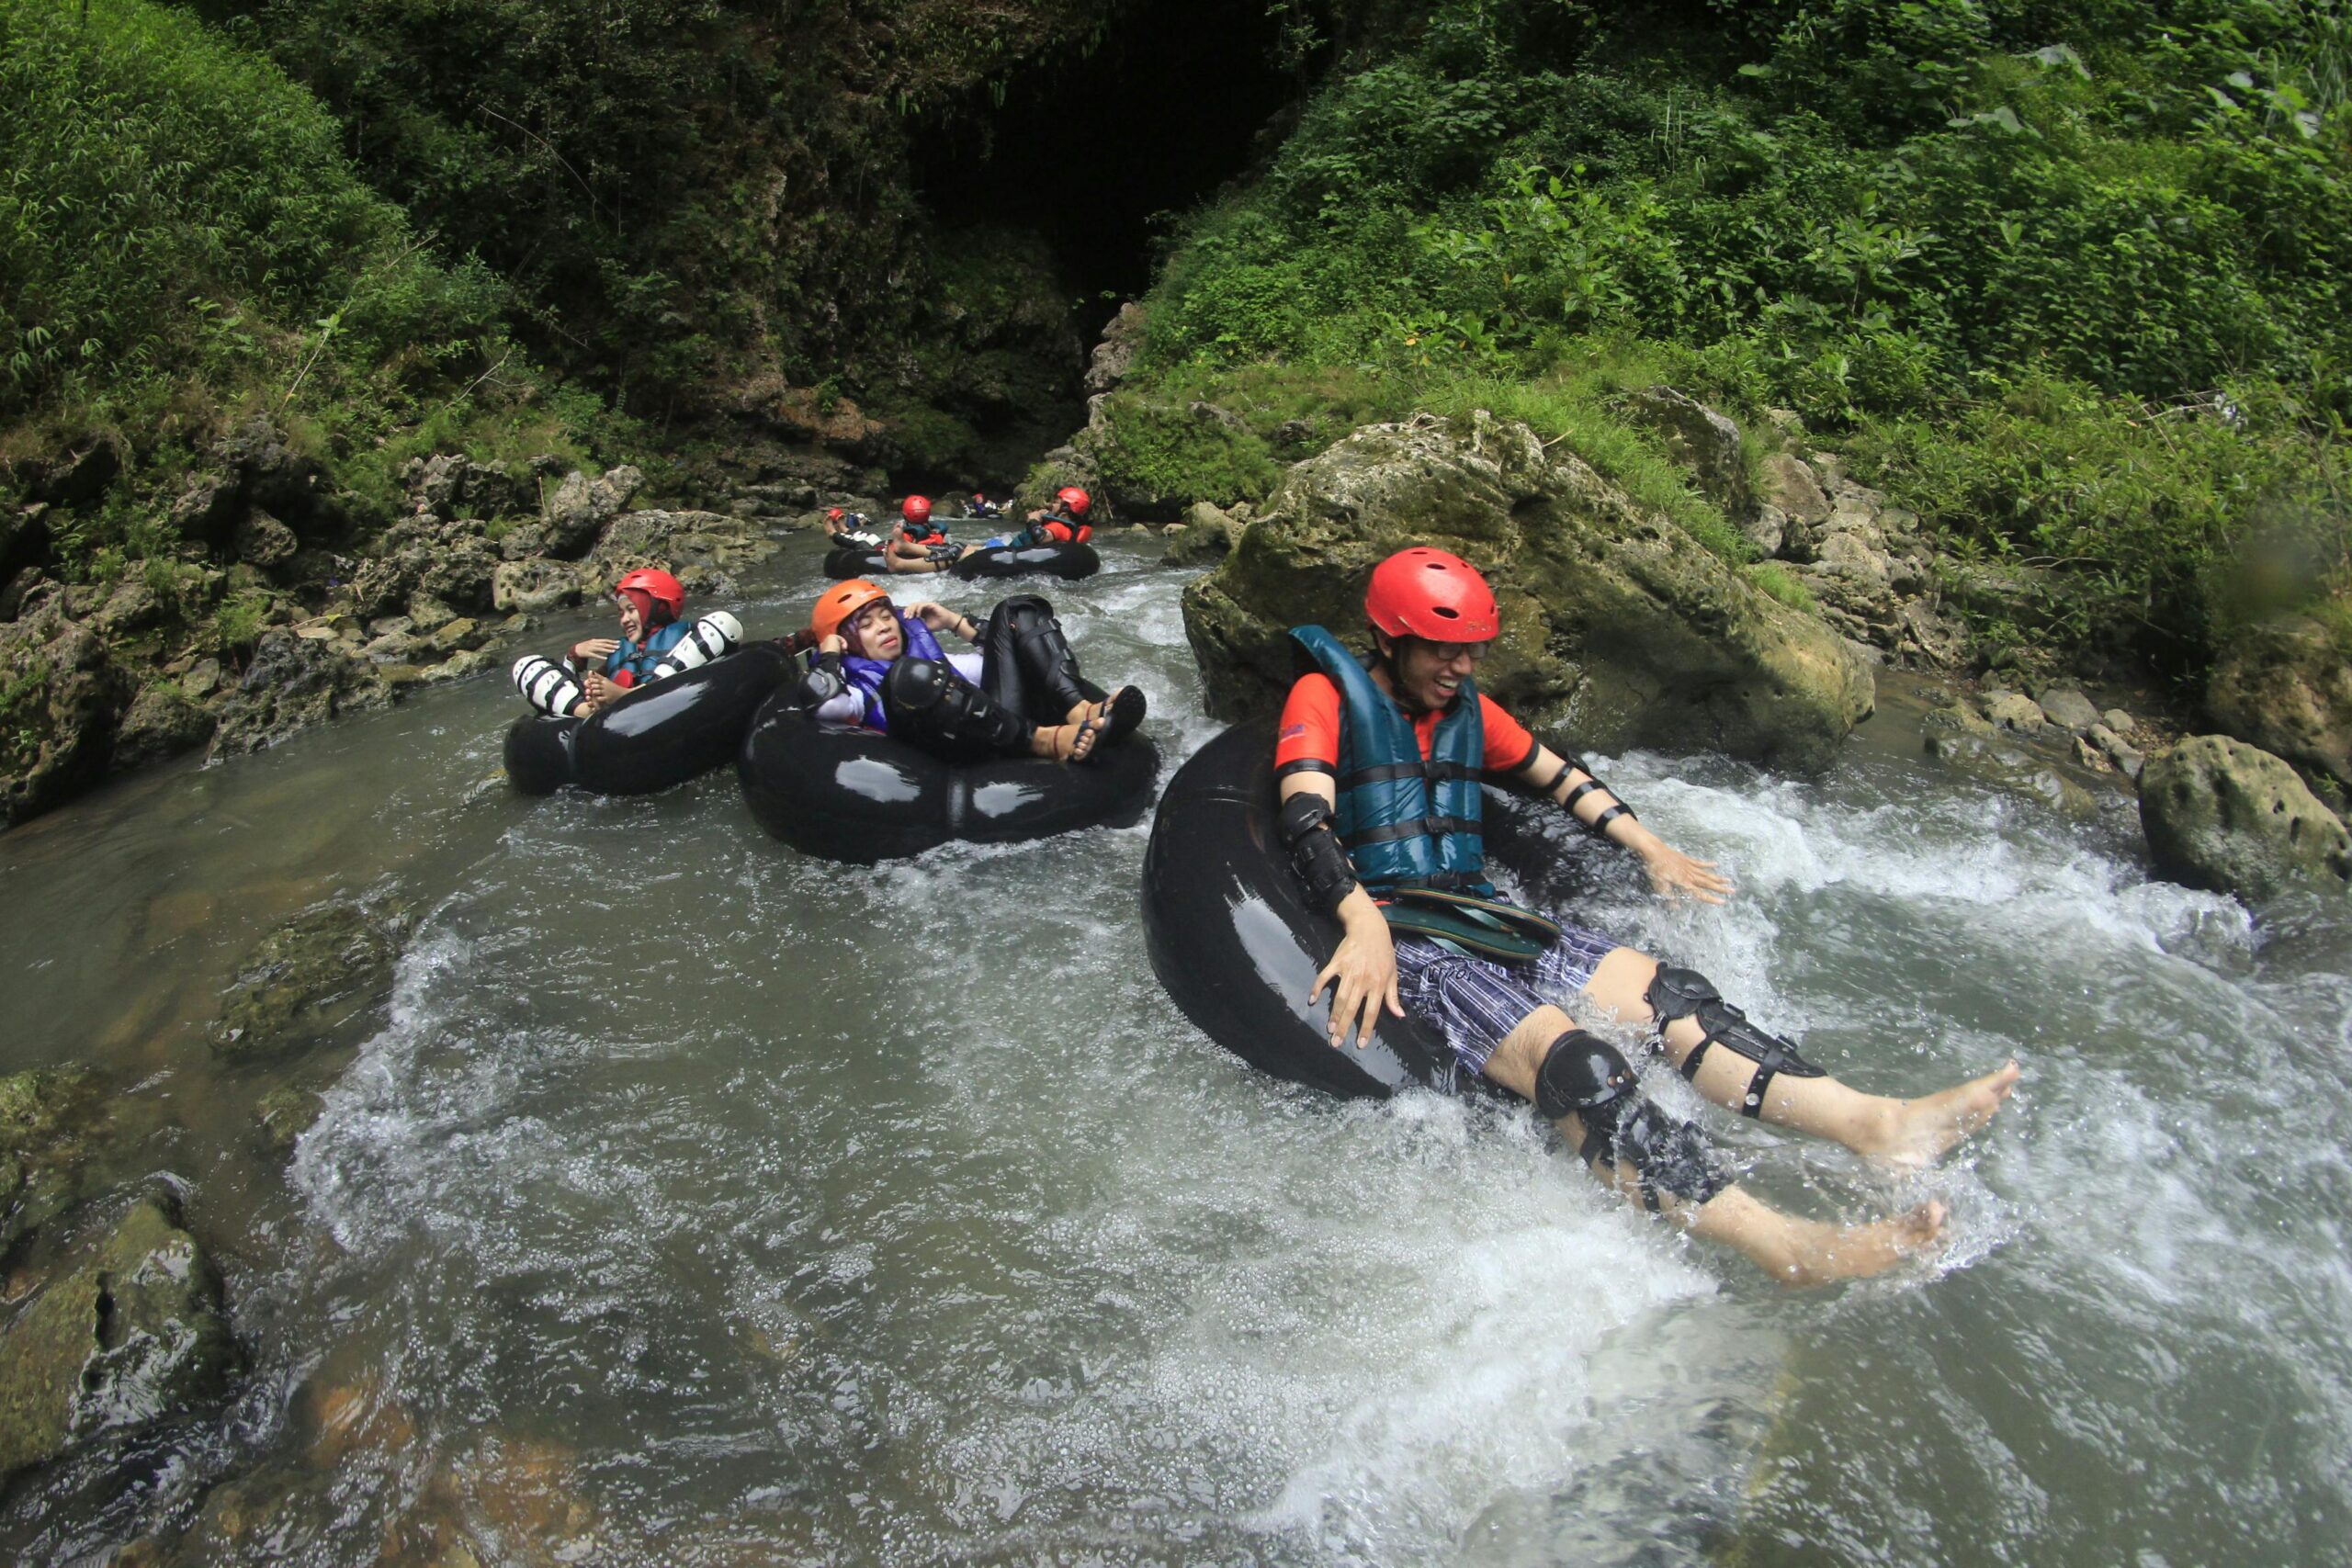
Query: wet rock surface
column 306, row 979
column 65, row 694
column 48, row 1117
column 2286, row 685
column 2224, row 815
column 129, row 1330
column 1614, row 620
column 293, row 683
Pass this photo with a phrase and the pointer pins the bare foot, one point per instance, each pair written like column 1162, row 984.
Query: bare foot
column 1066, row 742
column 1811, row 1252
column 1920, row 1131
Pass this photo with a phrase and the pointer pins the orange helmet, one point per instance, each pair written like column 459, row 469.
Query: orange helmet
column 836, row 606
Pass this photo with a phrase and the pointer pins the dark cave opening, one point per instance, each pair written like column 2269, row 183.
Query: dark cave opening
column 1090, row 152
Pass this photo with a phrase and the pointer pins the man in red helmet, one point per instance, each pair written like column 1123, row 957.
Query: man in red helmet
column 920, row 544
column 1066, row 526
column 1380, row 764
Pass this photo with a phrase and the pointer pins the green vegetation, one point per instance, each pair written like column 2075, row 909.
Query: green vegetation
column 183, row 246
column 2000, row 252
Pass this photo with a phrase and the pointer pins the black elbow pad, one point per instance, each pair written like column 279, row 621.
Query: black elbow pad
column 1315, row 853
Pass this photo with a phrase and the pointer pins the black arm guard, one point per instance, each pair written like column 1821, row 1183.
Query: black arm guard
column 1315, row 853
column 822, row 682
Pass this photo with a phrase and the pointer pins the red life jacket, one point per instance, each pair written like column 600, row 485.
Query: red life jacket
column 1062, row 531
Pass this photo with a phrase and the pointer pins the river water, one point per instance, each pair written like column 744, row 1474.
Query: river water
column 696, row 1203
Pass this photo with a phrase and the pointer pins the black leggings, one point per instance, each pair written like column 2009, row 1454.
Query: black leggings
column 1028, row 677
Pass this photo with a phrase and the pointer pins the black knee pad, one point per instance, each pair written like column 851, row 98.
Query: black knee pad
column 916, row 685
column 1580, row 1073
column 1686, row 993
column 1586, row 1077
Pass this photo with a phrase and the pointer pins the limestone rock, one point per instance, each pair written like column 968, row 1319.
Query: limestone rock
column 533, row 585
column 46, row 1117
column 2015, row 710
column 306, row 978
column 2117, row 751
column 1703, row 440
column 1613, row 618
column 292, row 684
column 57, row 733
column 262, row 540
column 580, row 508
column 1209, row 533
column 1121, row 341
column 1765, row 529
column 700, row 549
column 1786, row 482
column 448, row 484
column 2285, row 686
column 2225, row 815
column 164, row 721
column 131, row 1333
column 2067, row 708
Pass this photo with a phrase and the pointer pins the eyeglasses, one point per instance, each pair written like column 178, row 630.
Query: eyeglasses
column 1453, row 652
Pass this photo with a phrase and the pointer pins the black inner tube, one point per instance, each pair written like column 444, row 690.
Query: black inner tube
column 658, row 735
column 851, row 793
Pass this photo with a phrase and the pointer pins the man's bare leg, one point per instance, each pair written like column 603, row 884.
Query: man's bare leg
column 1907, row 1133
column 1795, row 1251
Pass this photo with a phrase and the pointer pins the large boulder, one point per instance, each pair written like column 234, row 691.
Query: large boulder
column 163, row 721
column 580, row 508
column 702, row 549
column 2285, row 686
column 60, row 697
column 2225, row 815
column 1616, row 622
column 292, row 684
column 129, row 1332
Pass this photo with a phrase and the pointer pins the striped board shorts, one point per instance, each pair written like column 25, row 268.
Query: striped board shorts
column 1476, row 1001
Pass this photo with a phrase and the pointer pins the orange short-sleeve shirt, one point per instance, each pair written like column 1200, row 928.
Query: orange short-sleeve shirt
column 1310, row 730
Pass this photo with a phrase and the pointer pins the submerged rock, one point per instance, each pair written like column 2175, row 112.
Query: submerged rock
column 131, row 1331
column 2225, row 815
column 46, row 1117
column 1614, row 619
column 305, row 978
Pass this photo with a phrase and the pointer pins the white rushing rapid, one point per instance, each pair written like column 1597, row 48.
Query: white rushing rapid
column 700, row 1203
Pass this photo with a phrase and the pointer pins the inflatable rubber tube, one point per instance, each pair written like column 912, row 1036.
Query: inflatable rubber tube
column 1069, row 563
column 855, row 560
column 1234, row 944
column 855, row 794
column 657, row 735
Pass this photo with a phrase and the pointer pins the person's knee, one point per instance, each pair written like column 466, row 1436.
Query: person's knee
column 916, row 685
column 1584, row 1076
column 1675, row 993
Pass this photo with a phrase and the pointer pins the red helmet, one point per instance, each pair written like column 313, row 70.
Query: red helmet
column 833, row 514
column 1428, row 594
column 660, row 597
column 839, row 605
column 915, row 508
column 1077, row 499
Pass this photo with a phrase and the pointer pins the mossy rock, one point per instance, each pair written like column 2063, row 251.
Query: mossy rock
column 131, row 1331
column 306, row 979
column 1616, row 622
column 2230, row 816
column 46, row 1117
column 283, row 1115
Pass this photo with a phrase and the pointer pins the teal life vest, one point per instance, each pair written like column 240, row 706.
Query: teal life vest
column 1411, row 825
column 635, row 660
column 1406, row 821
